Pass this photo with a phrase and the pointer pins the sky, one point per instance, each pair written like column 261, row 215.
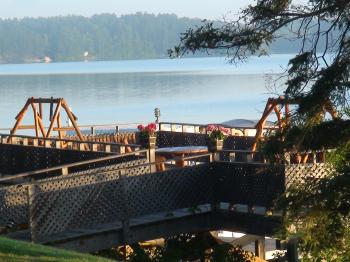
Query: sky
column 184, row 8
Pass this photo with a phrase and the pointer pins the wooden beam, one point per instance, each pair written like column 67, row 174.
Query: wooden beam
column 41, row 126
column 26, row 127
column 57, row 110
column 35, row 120
column 46, row 100
column 286, row 112
column 41, row 110
column 23, row 110
column 64, row 128
column 19, row 118
column 72, row 119
column 278, row 112
column 260, row 125
column 59, row 125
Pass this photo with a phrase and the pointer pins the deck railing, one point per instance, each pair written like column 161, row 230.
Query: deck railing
column 110, row 147
column 202, row 129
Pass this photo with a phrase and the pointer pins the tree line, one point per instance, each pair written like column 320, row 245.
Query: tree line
column 100, row 37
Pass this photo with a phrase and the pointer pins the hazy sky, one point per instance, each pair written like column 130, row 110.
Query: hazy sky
column 190, row 8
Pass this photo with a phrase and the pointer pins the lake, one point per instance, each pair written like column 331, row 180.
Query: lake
column 196, row 90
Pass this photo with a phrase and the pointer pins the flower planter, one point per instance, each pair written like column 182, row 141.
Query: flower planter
column 215, row 145
column 148, row 142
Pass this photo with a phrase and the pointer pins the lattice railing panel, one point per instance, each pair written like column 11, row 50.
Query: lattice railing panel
column 13, row 204
column 59, row 207
column 77, row 207
column 170, row 190
column 171, row 139
column 301, row 173
column 248, row 184
column 92, row 176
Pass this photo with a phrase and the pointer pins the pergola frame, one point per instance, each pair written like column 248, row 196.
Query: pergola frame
column 56, row 106
column 283, row 116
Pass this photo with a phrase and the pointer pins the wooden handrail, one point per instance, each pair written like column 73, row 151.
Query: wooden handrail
column 69, row 140
column 205, row 125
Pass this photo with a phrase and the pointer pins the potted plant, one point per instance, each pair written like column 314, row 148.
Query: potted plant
column 217, row 135
column 147, row 135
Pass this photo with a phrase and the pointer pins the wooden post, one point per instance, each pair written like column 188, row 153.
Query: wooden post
column 64, row 171
column 58, row 144
column 35, row 120
column 82, row 146
column 47, row 143
column 72, row 119
column 19, row 118
column 121, row 149
column 292, row 250
column 152, row 159
column 41, row 110
column 260, row 247
column 25, row 141
column 94, row 147
column 54, row 118
column 61, row 134
column 107, row 148
column 33, row 227
column 35, row 142
column 125, row 219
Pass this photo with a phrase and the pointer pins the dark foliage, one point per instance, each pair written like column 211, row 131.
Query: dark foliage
column 318, row 212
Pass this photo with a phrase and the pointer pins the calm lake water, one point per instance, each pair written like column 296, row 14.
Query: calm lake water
column 198, row 90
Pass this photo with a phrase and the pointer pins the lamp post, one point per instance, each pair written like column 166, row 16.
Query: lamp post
column 157, row 114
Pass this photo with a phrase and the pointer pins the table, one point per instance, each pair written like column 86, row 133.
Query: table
column 180, row 151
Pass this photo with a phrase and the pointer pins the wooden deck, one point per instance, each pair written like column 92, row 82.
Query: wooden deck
column 153, row 226
column 115, row 199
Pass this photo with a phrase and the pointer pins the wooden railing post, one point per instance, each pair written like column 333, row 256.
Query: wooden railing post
column 3, row 140
column 58, row 144
column 25, row 141
column 93, row 147
column 47, row 143
column 35, row 142
column 260, row 247
column 64, row 171
column 125, row 218
column 121, row 149
column 82, row 146
column 292, row 250
column 33, row 227
column 152, row 159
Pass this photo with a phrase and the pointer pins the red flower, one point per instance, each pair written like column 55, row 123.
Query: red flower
column 140, row 127
column 152, row 127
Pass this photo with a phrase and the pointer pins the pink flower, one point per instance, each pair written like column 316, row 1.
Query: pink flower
column 211, row 128
column 140, row 127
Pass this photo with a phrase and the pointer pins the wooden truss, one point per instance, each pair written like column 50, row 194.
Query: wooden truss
column 56, row 106
column 281, row 108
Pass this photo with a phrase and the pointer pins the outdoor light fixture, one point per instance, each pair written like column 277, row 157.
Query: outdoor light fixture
column 157, row 114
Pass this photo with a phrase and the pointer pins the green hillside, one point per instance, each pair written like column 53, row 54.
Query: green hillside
column 18, row 251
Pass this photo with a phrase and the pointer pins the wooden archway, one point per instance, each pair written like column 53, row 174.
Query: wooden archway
column 56, row 106
column 281, row 108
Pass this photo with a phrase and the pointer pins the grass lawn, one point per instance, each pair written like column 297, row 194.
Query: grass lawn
column 13, row 250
